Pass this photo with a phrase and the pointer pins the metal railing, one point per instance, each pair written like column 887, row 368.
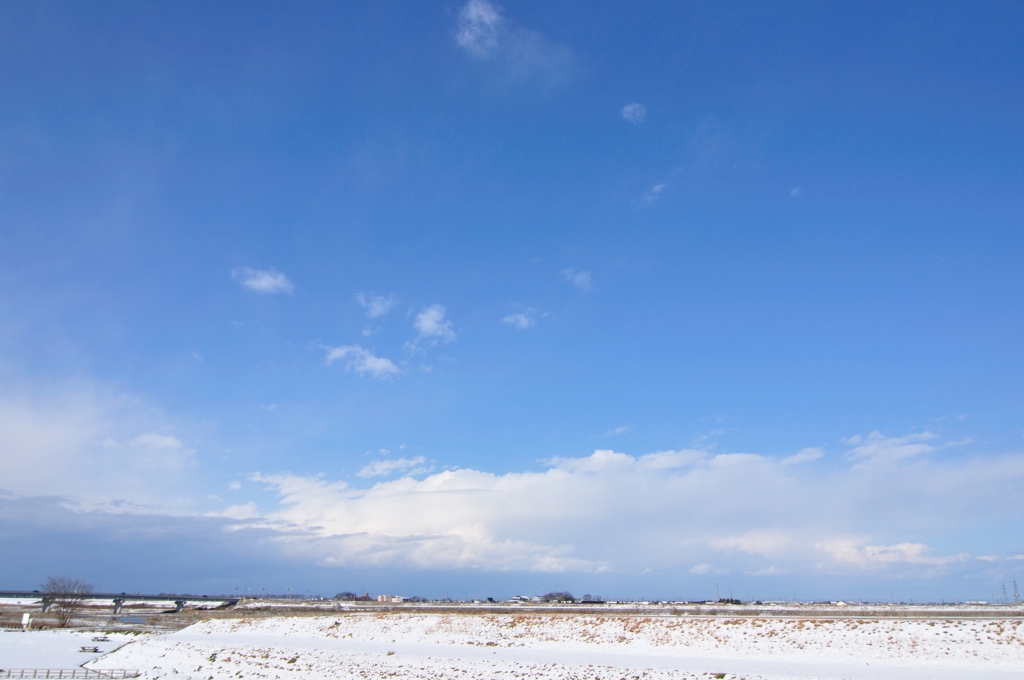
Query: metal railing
column 105, row 674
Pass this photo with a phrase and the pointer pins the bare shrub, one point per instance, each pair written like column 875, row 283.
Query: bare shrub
column 66, row 596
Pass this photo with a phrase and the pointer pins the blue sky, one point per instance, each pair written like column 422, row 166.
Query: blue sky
column 476, row 299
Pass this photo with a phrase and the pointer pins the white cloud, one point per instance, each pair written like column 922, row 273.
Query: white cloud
column 521, row 321
column 618, row 430
column 522, row 56
column 383, row 468
column 246, row 511
column 873, row 556
column 362, row 361
column 263, row 280
column 702, row 568
column 82, row 441
column 634, row 113
column 877, row 446
column 650, row 196
column 667, row 510
column 604, row 460
column 609, row 511
column 772, row 571
column 579, row 279
column 807, row 455
column 235, row 486
column 480, row 23
column 431, row 328
column 769, row 543
column 376, row 305
column 157, row 441
column 796, row 192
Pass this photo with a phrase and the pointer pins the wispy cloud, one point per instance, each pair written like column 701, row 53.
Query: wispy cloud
column 521, row 321
column 876, row 446
column 807, row 455
column 618, row 430
column 362, row 361
column 705, row 568
column 157, row 441
column 267, row 281
column 376, row 305
column 579, row 279
column 634, row 113
column 91, row 443
column 524, row 55
column 650, row 196
column 796, row 192
column 243, row 511
column 383, row 468
column 431, row 328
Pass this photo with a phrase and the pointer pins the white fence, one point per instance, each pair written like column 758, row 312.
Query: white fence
column 106, row 674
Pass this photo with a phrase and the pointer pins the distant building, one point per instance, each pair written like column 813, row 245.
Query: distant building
column 390, row 598
column 352, row 597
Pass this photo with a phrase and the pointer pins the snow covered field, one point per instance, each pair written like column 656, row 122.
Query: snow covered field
column 53, row 648
column 439, row 646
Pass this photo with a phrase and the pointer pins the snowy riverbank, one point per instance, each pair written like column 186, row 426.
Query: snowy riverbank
column 576, row 646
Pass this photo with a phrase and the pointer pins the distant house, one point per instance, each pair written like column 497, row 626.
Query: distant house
column 390, row 598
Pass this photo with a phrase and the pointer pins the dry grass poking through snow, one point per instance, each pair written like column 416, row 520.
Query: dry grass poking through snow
column 545, row 646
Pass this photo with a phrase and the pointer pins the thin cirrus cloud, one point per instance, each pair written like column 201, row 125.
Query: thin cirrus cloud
column 362, row 361
column 578, row 279
column 523, row 56
column 651, row 196
column 580, row 515
column 376, row 305
column 634, row 113
column 266, row 281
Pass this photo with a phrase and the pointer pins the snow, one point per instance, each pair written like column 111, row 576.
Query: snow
column 439, row 646
column 51, row 648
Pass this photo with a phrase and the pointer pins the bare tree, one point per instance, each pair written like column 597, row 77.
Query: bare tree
column 66, row 595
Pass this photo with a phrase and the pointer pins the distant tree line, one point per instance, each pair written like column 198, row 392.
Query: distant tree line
column 557, row 596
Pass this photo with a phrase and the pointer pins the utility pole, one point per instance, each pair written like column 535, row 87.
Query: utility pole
column 1016, row 593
